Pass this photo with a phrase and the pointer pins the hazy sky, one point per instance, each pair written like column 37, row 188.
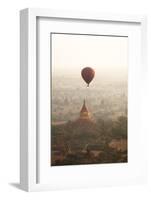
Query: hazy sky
column 107, row 55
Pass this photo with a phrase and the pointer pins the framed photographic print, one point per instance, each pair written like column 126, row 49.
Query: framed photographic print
column 82, row 78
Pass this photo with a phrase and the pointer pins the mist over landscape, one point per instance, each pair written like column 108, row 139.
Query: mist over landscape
column 105, row 99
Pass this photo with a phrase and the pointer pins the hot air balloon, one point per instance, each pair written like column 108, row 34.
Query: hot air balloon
column 87, row 74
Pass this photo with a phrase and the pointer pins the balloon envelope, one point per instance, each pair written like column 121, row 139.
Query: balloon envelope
column 87, row 74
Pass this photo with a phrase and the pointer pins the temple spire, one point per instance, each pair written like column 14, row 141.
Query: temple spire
column 84, row 113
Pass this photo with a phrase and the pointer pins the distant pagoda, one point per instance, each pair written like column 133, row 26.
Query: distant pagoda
column 84, row 113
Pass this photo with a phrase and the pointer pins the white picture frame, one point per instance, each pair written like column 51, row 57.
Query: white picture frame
column 29, row 110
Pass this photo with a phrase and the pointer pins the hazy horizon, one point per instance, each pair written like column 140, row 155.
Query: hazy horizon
column 108, row 56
